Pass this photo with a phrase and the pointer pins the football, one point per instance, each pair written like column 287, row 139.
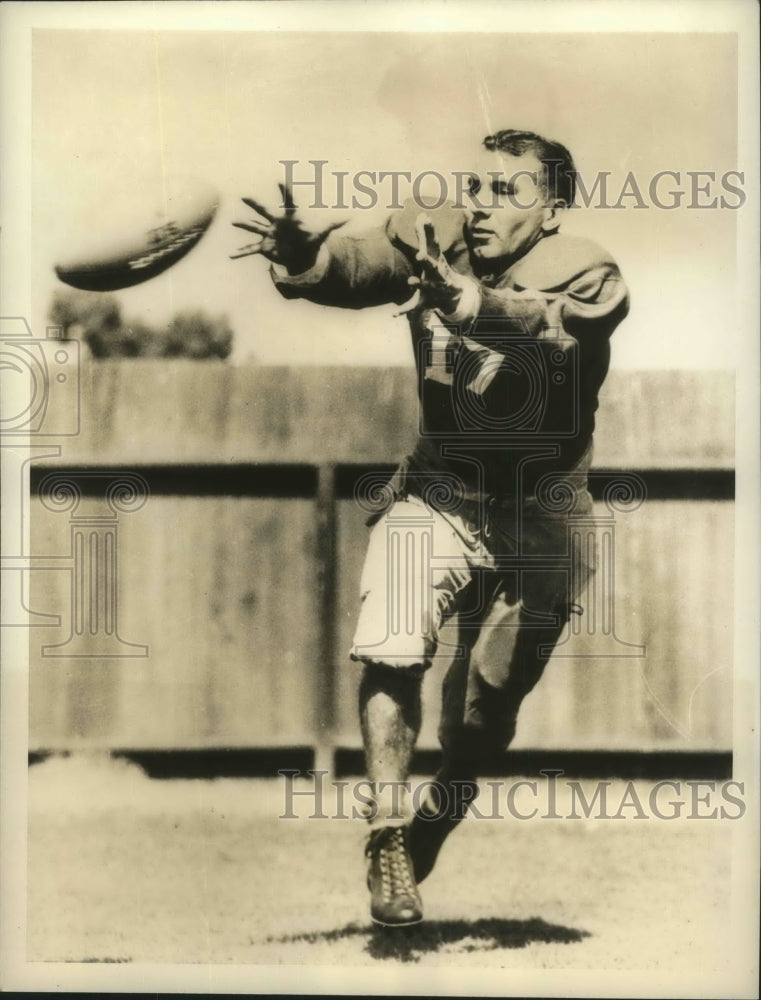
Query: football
column 138, row 236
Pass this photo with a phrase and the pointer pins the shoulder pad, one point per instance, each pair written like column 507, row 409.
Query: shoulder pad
column 556, row 260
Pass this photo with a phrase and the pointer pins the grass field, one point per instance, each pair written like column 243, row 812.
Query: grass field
column 123, row 868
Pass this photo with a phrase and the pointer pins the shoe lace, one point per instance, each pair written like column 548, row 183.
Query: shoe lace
column 393, row 861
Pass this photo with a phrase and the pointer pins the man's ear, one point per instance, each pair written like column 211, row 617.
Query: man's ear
column 553, row 216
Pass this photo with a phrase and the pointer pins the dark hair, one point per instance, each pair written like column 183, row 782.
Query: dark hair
column 558, row 163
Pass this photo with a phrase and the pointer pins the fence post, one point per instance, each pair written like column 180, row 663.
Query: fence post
column 327, row 609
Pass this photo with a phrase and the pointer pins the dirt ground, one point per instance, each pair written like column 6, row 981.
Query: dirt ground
column 123, row 868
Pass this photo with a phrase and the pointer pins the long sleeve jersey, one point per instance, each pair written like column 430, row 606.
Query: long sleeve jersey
column 508, row 385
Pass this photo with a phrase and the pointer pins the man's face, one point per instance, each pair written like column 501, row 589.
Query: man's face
column 508, row 211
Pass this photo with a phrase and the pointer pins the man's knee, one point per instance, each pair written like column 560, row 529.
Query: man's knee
column 381, row 684
column 486, row 725
column 475, row 746
column 377, row 673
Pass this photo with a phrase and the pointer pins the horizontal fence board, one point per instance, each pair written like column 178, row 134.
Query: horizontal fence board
column 222, row 593
column 150, row 411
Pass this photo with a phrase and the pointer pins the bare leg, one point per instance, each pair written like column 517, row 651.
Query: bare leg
column 389, row 702
column 390, row 716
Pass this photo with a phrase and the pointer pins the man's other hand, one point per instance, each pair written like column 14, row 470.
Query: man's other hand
column 439, row 286
column 283, row 239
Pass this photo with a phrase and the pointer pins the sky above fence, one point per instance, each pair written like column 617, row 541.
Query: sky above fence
column 112, row 107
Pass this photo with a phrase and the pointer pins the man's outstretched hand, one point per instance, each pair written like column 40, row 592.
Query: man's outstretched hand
column 439, row 286
column 283, row 239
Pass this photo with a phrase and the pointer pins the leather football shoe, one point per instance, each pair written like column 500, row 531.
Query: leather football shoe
column 394, row 898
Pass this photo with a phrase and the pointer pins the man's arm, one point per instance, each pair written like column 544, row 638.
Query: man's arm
column 352, row 272
column 580, row 295
column 593, row 302
column 323, row 266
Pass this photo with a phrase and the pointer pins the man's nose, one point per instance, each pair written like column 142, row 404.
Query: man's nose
column 474, row 214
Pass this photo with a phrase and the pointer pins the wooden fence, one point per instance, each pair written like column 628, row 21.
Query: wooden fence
column 236, row 580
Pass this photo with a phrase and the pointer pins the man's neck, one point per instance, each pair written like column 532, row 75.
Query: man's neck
column 496, row 266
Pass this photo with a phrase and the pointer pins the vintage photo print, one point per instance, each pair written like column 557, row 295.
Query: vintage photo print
column 380, row 458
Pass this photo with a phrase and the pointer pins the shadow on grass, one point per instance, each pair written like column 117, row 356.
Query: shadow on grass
column 409, row 944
